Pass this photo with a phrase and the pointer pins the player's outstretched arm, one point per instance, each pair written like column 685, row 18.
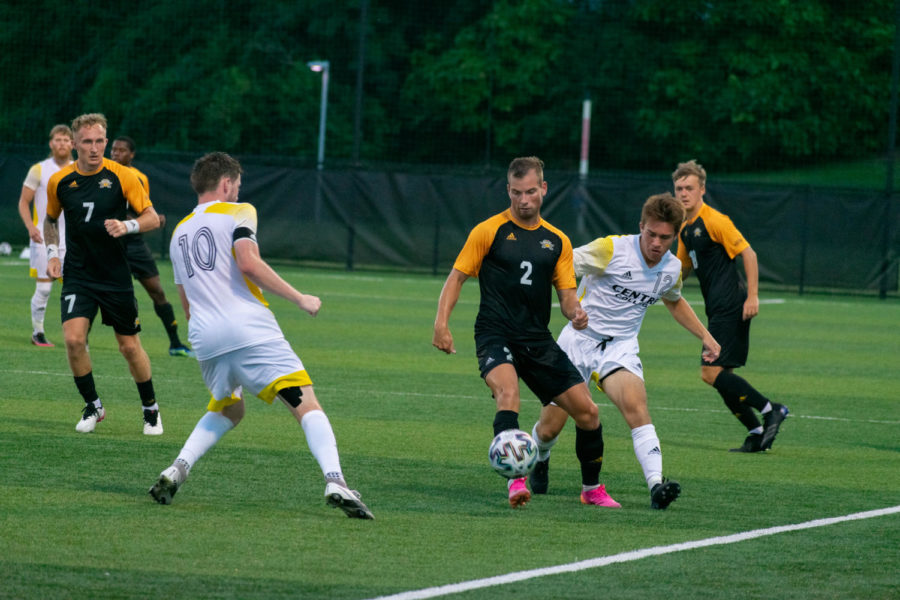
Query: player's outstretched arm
column 687, row 318
column 259, row 272
column 442, row 338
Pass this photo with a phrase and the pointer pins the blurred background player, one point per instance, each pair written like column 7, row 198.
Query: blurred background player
column 34, row 189
column 622, row 276
column 236, row 337
column 140, row 258
column 93, row 193
column 708, row 244
column 518, row 259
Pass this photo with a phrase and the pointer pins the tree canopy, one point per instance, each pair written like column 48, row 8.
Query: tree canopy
column 463, row 82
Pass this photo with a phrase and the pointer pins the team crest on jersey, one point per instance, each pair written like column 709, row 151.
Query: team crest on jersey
column 697, row 232
column 74, row 184
column 547, row 244
column 105, row 184
column 511, row 237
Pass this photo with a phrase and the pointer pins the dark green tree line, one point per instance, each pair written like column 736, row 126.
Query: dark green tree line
column 468, row 82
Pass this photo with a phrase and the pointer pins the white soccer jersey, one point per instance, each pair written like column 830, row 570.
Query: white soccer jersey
column 38, row 176
column 227, row 310
column 617, row 286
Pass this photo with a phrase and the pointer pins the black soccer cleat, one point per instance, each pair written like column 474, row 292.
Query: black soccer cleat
column 753, row 443
column 663, row 494
column 771, row 423
column 540, row 477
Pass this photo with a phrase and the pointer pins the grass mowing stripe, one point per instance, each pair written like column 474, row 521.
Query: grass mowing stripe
column 593, row 563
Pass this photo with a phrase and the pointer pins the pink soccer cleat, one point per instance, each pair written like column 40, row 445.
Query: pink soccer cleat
column 518, row 493
column 599, row 497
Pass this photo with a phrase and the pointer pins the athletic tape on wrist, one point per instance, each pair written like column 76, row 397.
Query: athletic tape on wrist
column 132, row 226
column 52, row 251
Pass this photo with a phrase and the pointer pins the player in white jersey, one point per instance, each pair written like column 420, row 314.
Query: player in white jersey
column 34, row 190
column 621, row 277
column 219, row 273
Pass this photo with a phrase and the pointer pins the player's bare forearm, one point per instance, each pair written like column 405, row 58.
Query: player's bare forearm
column 185, row 304
column 146, row 221
column 25, row 214
column 751, row 270
column 51, row 231
column 442, row 339
column 685, row 316
column 571, row 308
column 259, row 272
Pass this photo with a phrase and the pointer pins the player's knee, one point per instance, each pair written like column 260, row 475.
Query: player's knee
column 234, row 412
column 709, row 375
column 291, row 395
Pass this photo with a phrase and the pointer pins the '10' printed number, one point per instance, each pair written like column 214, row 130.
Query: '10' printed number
column 200, row 252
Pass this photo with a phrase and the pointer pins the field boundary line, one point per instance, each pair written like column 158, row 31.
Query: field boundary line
column 632, row 555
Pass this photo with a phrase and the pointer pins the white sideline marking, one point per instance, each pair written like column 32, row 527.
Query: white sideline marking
column 455, row 588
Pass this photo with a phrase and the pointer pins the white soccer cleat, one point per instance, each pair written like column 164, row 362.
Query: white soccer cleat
column 152, row 422
column 168, row 483
column 347, row 500
column 90, row 416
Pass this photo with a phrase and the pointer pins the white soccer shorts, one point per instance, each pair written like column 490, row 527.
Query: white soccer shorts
column 262, row 370
column 595, row 359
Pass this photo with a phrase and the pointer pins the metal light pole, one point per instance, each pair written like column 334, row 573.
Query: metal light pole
column 321, row 66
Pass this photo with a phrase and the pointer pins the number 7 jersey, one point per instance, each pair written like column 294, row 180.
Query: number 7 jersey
column 227, row 310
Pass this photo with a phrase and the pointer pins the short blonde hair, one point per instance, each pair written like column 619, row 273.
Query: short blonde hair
column 61, row 130
column 89, row 120
column 691, row 167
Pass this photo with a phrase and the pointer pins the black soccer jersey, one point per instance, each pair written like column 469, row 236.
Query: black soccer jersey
column 93, row 257
column 517, row 268
column 709, row 245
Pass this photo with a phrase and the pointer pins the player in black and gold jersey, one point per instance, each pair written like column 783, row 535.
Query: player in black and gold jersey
column 518, row 258
column 708, row 244
column 140, row 259
column 95, row 193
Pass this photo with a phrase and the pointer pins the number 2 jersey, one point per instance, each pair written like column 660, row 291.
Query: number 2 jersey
column 516, row 267
column 93, row 257
column 709, row 244
column 227, row 310
column 617, row 286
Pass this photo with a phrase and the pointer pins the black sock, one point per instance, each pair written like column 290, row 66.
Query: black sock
column 85, row 385
column 740, row 397
column 589, row 450
column 145, row 390
column 505, row 419
column 166, row 314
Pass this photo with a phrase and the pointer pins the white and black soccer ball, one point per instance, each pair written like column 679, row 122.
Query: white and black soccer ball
column 513, row 453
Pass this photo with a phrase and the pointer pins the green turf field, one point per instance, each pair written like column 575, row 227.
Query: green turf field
column 413, row 426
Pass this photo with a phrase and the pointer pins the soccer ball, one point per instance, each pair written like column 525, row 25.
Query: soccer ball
column 513, row 453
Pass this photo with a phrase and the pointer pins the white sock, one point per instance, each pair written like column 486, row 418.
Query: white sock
column 39, row 304
column 646, row 449
column 321, row 442
column 543, row 447
column 208, row 430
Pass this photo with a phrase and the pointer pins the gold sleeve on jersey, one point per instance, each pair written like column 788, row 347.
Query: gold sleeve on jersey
column 564, row 273
column 593, row 257
column 477, row 245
